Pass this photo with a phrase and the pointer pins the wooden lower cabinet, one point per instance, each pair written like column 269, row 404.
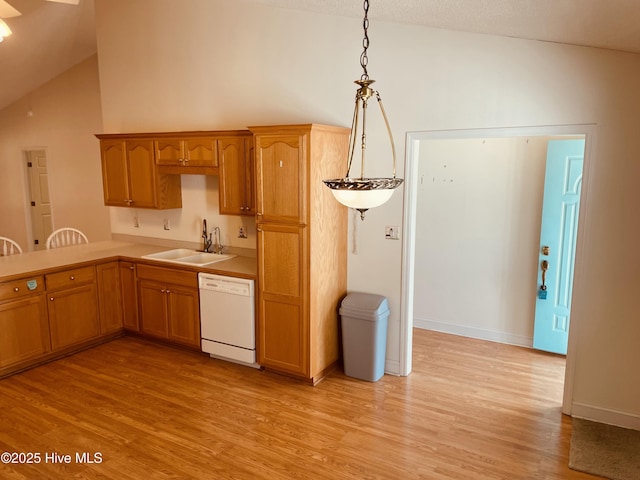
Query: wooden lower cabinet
column 109, row 297
column 168, row 304
column 129, row 296
column 23, row 322
column 72, row 305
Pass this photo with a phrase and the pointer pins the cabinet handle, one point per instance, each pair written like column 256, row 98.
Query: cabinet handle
column 259, row 228
column 71, row 277
column 168, row 291
column 51, row 298
column 163, row 291
column 16, row 289
column 131, row 267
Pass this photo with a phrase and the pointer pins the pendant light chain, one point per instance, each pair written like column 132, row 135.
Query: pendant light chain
column 364, row 59
column 364, row 193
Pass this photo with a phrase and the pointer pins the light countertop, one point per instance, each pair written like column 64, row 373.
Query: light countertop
column 45, row 261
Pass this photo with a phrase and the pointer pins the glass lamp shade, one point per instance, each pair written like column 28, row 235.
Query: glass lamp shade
column 364, row 193
column 362, row 199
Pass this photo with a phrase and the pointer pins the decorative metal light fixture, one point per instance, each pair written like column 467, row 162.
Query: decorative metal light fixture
column 364, row 193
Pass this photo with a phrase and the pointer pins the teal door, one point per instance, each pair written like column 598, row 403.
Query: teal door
column 560, row 209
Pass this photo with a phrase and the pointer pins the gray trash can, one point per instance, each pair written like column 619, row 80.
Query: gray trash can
column 364, row 335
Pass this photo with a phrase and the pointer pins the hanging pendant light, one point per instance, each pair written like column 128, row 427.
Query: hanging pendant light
column 359, row 192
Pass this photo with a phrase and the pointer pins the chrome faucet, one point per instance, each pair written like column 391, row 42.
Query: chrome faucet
column 206, row 237
column 217, row 248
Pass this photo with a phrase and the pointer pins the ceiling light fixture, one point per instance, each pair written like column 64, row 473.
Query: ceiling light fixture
column 364, row 193
column 5, row 31
column 7, row 11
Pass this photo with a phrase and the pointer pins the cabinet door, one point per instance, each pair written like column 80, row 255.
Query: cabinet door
column 153, row 308
column 142, row 178
column 73, row 316
column 281, row 173
column 250, row 177
column 283, row 324
column 25, row 330
column 235, row 197
column 109, row 297
column 200, row 152
column 169, row 151
column 129, row 296
column 184, row 315
column 115, row 181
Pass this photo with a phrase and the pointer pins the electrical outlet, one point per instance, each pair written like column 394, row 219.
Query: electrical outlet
column 392, row 232
column 242, row 232
column 166, row 224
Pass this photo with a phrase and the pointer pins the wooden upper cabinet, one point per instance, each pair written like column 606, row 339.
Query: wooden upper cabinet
column 130, row 176
column 237, row 178
column 201, row 152
column 280, row 165
column 193, row 155
column 115, row 177
column 142, row 174
column 169, row 151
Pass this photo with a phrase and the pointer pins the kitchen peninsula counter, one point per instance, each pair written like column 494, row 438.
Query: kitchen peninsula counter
column 44, row 261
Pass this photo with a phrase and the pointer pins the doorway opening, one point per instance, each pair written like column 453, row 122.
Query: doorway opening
column 39, row 209
column 434, row 165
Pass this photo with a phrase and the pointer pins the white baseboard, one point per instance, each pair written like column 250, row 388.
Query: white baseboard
column 606, row 415
column 392, row 367
column 474, row 332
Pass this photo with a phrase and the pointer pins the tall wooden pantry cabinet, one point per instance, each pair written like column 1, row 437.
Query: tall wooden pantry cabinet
column 302, row 247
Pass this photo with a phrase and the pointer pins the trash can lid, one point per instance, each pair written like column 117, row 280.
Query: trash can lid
column 364, row 305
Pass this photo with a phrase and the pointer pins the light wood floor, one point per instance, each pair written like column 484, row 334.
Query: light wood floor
column 470, row 410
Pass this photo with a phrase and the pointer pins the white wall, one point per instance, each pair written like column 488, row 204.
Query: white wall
column 477, row 235
column 202, row 64
column 66, row 115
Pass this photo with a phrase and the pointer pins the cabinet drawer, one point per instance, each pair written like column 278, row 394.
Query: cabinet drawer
column 22, row 287
column 70, row 278
column 168, row 275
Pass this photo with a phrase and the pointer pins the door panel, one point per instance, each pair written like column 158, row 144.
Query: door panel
column 152, row 309
column 142, row 178
column 560, row 212
column 114, row 173
column 280, row 166
column 73, row 316
column 184, row 320
column 41, row 221
column 201, row 152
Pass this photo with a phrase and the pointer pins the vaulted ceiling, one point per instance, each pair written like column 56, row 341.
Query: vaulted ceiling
column 48, row 38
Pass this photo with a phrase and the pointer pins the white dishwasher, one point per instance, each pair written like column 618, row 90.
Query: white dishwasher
column 227, row 318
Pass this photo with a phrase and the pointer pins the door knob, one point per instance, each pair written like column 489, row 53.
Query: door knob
column 544, row 266
column 545, row 250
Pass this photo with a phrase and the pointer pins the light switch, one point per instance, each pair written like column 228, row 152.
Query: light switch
column 392, row 232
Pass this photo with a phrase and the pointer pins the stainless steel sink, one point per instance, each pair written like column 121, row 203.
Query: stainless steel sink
column 186, row 256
